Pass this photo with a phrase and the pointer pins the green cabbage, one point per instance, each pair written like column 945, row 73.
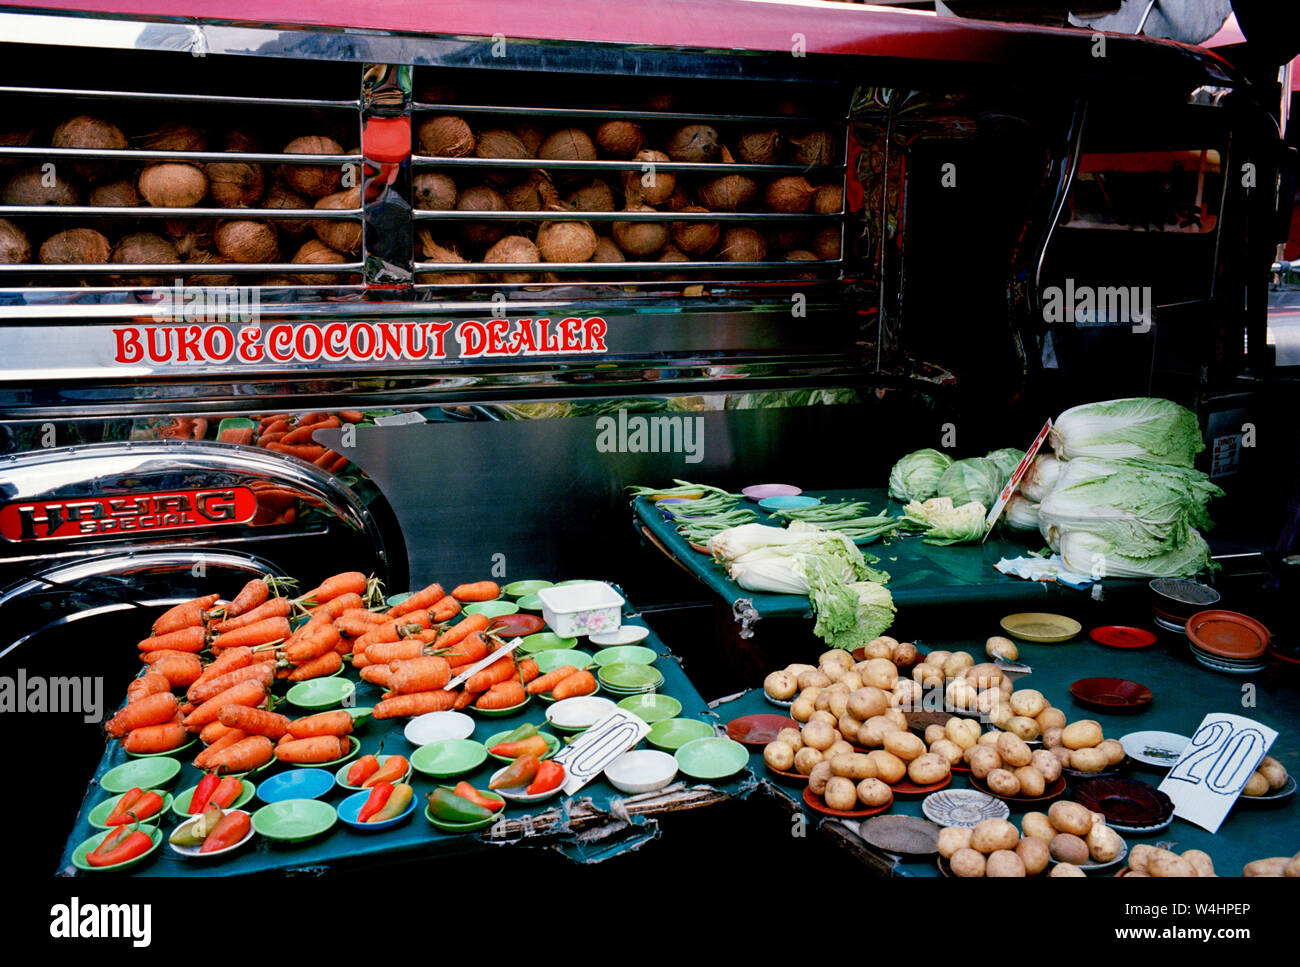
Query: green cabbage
column 1006, row 460
column 1142, row 428
column 1021, row 513
column 1089, row 554
column 945, row 524
column 1040, row 477
column 973, row 480
column 916, row 476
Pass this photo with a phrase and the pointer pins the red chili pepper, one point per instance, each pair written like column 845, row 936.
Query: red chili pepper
column 149, row 804
column 122, row 844
column 378, row 797
column 233, row 827
column 549, row 776
column 362, row 769
column 227, row 792
column 119, row 813
column 203, row 793
column 466, row 791
column 394, row 769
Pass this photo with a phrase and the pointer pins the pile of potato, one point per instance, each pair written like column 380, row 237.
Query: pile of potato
column 992, row 848
column 1074, row 835
column 1272, row 866
column 1144, row 860
column 1083, row 747
column 1006, row 764
column 1269, row 777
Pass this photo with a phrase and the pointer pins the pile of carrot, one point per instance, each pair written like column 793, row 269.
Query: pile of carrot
column 293, row 436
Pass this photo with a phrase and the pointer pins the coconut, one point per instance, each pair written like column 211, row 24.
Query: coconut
column 316, row 252
column 801, row 255
column 607, row 251
column 784, row 239
column 671, row 254
column 175, row 136
column 568, row 144
column 513, row 248
column 190, row 243
column 501, row 144
column 828, row 200
column 694, row 142
column 445, row 136
column 343, row 235
column 695, row 238
column 433, row 252
column 85, row 131
column 142, row 248
column 29, row 187
column 678, row 200
column 481, row 198
column 812, row 149
column 566, row 241
column 235, row 184
column 619, row 139
column 14, row 247
column 792, row 194
column 759, row 147
column 282, row 197
column 595, row 196
column 83, row 246
column 239, row 141
column 729, row 193
column 434, row 191
column 662, row 184
column 314, row 181
column 172, row 185
column 827, row 244
column 245, row 240
column 16, row 136
column 743, row 245
column 532, row 136
column 203, row 256
column 114, row 194
column 524, row 197
column 640, row 239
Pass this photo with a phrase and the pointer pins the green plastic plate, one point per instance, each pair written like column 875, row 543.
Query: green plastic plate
column 147, row 773
column 181, row 805
column 626, row 675
column 548, row 661
column 79, row 854
column 652, row 708
column 712, row 758
column 100, row 812
column 552, row 744
column 626, row 654
column 321, row 693
column 450, row 757
column 545, row 641
column 517, row 589
column 294, row 820
column 672, row 734
column 492, row 609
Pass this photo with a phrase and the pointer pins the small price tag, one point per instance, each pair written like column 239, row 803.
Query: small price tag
column 996, row 510
column 1212, row 771
column 478, row 666
column 586, row 757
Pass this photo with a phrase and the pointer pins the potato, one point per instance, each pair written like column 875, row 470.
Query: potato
column 841, row 793
column 836, row 656
column 1113, row 751
column 1070, row 817
column 990, row 700
column 873, row 792
column 815, row 678
column 1138, row 857
column 851, row 680
column 953, row 838
column 1050, row 718
column 907, row 694
column 1256, row 785
column 1038, row 825
column 1273, row 771
column 823, row 700
column 1052, row 737
column 818, row 778
column 1003, row 782
column 937, row 658
column 1031, row 781
column 818, row 735
column 1034, row 853
column 1273, row 866
column 956, row 662
column 811, row 693
column 967, row 863
column 994, row 834
column 806, row 759
column 1084, row 734
column 838, row 747
column 1165, row 863
column 867, row 702
column 802, row 710
column 897, row 717
column 791, row 737
column 927, row 675
column 1066, row 869
column 1028, row 702
column 1200, row 862
column 962, row 696
column 779, row 755
column 879, row 672
column 848, row 727
column 1103, row 842
column 1068, row 848
column 822, row 715
column 853, row 765
column 989, row 738
column 1013, row 750
column 781, row 685
column 872, row 732
column 1293, row 868
column 878, row 648
column 1137, row 873
column 999, row 713
column 1062, row 755
column 984, row 675
column 964, row 732
column 905, row 745
column 798, row 668
column 1004, row 863
column 984, row 760
column 947, row 750
column 903, row 654
column 933, row 733
column 1024, row 727
column 1048, row 765
column 889, row 767
column 927, row 769
column 1088, row 760
column 1004, row 648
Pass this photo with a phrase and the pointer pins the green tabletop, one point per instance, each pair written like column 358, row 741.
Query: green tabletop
column 920, row 573
column 1184, row 692
column 413, row 837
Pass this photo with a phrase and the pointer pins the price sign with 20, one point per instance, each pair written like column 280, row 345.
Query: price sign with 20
column 1213, row 769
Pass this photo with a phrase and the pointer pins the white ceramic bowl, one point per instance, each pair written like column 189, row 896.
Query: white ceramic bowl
column 575, row 714
column 437, row 726
column 642, row 771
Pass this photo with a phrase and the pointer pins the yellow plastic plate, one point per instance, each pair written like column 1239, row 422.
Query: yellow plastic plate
column 1040, row 626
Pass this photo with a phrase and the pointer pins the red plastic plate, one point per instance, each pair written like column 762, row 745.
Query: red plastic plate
column 1122, row 636
column 813, row 801
column 760, row 729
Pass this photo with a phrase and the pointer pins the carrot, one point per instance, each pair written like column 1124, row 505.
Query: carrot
column 351, row 416
column 501, row 670
column 187, row 708
column 302, row 434
column 323, row 723
column 313, row 417
column 320, row 748
column 248, row 753
column 151, row 710
column 245, row 693
column 466, row 699
column 242, row 435
column 446, row 609
column 462, row 630
column 155, row 738
column 472, row 649
column 528, row 670
column 271, row 608
column 258, row 633
column 478, row 591
column 231, row 736
column 227, row 661
column 250, row 596
column 153, row 657
column 254, row 721
column 181, row 671
column 548, row 681
column 378, row 675
column 274, row 418
column 187, row 639
column 502, row 695
column 150, row 683
column 308, row 452
column 311, row 646
column 184, row 615
column 421, row 600
column 419, row 675
column 579, row 683
column 416, row 703
column 354, row 626
column 326, row 664
column 201, row 691
column 384, row 652
column 340, row 461
column 213, row 731
column 348, row 582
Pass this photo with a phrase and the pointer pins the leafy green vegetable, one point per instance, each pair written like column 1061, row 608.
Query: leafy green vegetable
column 916, row 476
column 974, row 479
column 1021, row 513
column 1143, row 428
column 1006, row 460
column 1041, row 477
column 1090, row 554
column 944, row 523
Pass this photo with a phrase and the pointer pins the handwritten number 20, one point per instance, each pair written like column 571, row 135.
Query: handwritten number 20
column 1223, row 757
